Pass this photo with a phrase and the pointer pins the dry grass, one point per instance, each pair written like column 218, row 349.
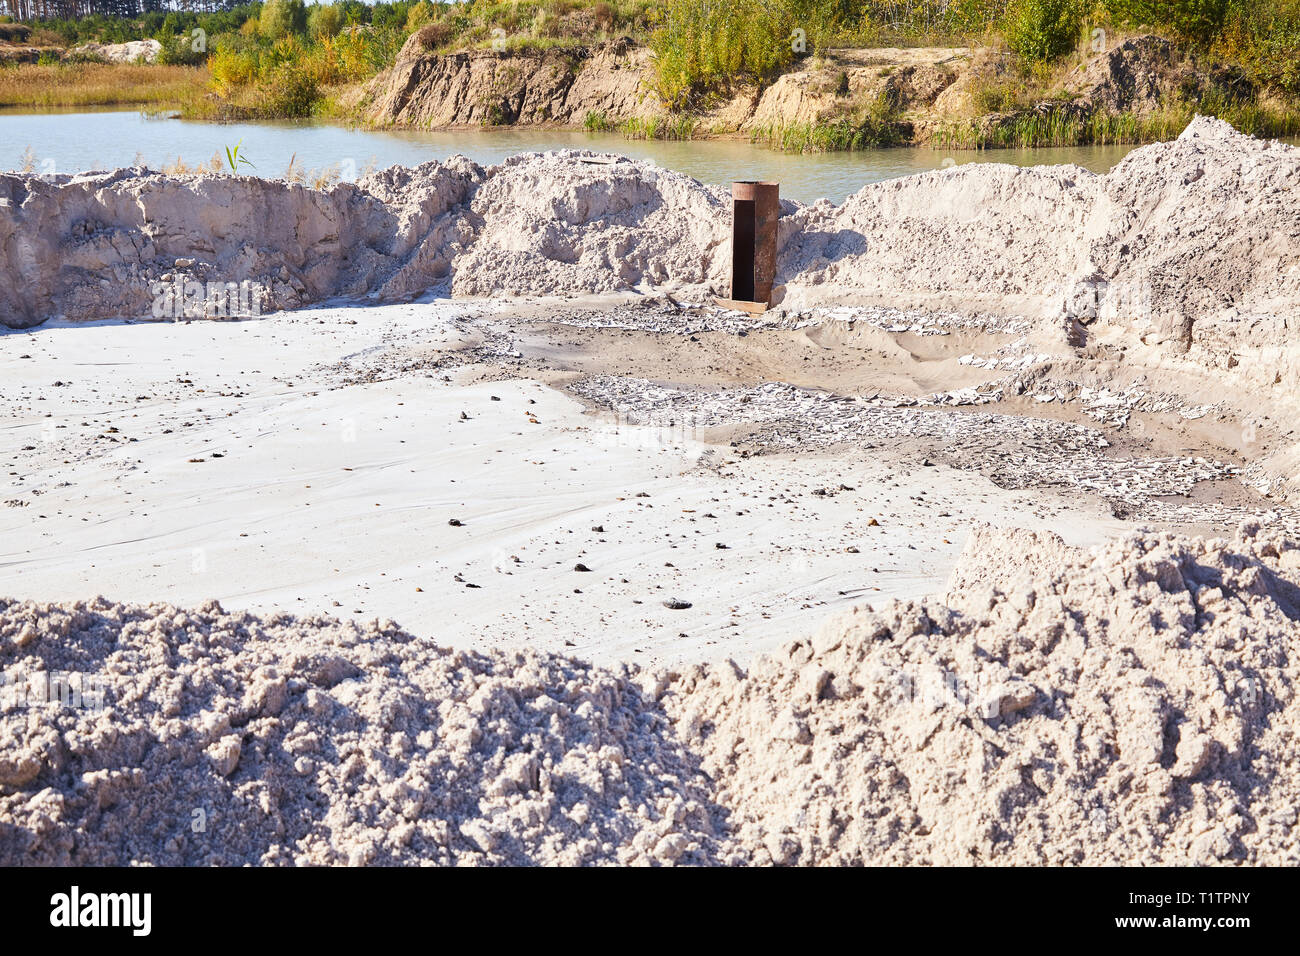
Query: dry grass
column 40, row 86
column 213, row 167
column 322, row 178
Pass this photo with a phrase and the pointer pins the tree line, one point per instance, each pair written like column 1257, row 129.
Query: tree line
column 29, row 10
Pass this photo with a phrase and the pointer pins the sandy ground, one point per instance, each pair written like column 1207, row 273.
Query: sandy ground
column 544, row 484
column 243, row 461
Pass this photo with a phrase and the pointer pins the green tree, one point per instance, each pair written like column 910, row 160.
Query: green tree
column 1197, row 20
column 282, row 17
column 324, row 20
column 420, row 14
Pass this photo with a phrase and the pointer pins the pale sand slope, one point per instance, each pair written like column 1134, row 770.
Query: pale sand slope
column 331, row 498
column 1132, row 704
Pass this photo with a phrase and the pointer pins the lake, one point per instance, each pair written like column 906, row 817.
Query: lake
column 76, row 142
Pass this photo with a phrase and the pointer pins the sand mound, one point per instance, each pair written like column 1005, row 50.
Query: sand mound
column 106, row 245
column 132, row 51
column 1132, row 704
column 1001, row 557
column 313, row 741
column 1183, row 242
column 95, row 246
column 561, row 224
column 1195, row 230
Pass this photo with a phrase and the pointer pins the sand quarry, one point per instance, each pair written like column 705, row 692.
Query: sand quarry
column 492, row 541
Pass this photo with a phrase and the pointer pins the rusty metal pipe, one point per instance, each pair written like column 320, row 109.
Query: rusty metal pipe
column 755, row 207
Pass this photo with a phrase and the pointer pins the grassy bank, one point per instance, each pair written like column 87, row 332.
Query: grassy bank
column 1059, row 128
column 68, row 86
column 285, row 58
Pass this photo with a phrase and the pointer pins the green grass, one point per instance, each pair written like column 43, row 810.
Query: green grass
column 676, row 126
column 598, row 122
column 1058, row 128
column 826, row 137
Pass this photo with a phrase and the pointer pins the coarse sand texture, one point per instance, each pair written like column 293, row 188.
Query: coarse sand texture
column 1130, row 704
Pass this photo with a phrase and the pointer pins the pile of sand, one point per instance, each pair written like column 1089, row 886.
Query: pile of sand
column 1182, row 242
column 1131, row 704
column 1199, row 230
column 105, row 245
column 1135, row 705
column 132, row 51
column 211, row 738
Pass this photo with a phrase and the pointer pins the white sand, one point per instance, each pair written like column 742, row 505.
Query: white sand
column 330, row 493
column 1136, row 704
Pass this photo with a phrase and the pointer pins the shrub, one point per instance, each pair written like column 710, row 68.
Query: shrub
column 1264, row 37
column 179, row 51
column 420, row 14
column 435, row 35
column 603, row 14
column 289, row 91
column 232, row 68
column 700, row 44
column 1043, row 30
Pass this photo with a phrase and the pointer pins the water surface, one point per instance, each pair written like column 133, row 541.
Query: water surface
column 76, row 142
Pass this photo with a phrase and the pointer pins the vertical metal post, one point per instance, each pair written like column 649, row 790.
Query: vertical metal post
column 756, row 207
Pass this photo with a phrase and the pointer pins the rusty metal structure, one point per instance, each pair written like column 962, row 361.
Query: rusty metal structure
column 755, row 208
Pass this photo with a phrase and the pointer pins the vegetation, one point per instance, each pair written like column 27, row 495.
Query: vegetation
column 598, row 123
column 1058, row 127
column 1044, row 30
column 872, row 126
column 234, row 158
column 289, row 58
column 677, row 126
column 43, row 86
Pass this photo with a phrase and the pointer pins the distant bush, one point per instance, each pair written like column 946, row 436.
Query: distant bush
column 1264, row 37
column 179, row 51
column 604, row 16
column 232, row 66
column 1198, row 20
column 290, row 90
column 433, row 36
column 281, row 18
column 420, row 14
column 324, row 20
column 1043, row 30
column 698, row 44
column 994, row 96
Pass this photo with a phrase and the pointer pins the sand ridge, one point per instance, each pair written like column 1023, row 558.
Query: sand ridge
column 1178, row 245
